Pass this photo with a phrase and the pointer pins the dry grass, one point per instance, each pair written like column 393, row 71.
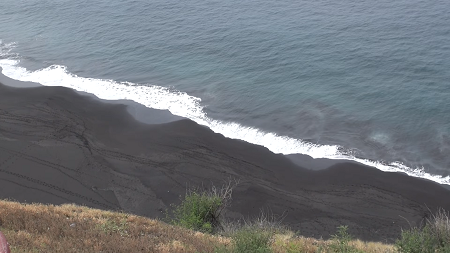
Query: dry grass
column 440, row 225
column 70, row 228
column 290, row 243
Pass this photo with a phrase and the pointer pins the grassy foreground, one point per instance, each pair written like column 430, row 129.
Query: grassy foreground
column 71, row 228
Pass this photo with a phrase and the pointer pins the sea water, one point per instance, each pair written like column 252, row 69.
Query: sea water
column 361, row 80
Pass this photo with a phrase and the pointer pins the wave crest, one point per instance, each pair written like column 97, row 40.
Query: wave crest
column 182, row 104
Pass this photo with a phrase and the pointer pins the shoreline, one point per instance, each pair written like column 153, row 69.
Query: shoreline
column 148, row 115
column 58, row 146
column 297, row 150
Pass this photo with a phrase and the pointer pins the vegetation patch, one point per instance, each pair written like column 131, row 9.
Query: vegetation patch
column 199, row 227
column 341, row 241
column 113, row 226
column 250, row 239
column 433, row 237
column 69, row 228
column 201, row 210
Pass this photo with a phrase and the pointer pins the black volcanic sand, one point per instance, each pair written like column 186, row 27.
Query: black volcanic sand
column 58, row 146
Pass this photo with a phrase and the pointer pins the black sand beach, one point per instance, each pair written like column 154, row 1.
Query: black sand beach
column 59, row 146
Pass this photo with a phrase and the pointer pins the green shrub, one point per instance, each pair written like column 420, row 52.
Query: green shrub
column 250, row 239
column 416, row 240
column 421, row 240
column 439, row 224
column 253, row 235
column 198, row 211
column 433, row 237
column 201, row 210
column 341, row 241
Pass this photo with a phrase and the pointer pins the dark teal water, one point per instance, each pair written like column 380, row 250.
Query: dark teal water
column 362, row 80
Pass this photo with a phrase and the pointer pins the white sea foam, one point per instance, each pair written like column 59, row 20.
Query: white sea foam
column 182, row 104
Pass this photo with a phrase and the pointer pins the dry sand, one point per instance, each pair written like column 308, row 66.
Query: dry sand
column 59, row 146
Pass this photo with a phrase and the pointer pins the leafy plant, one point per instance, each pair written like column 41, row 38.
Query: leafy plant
column 433, row 237
column 198, row 211
column 416, row 240
column 251, row 239
column 341, row 241
column 202, row 210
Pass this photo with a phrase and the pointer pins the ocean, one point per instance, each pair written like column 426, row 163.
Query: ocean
column 362, row 80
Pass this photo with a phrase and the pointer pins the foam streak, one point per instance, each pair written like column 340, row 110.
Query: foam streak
column 182, row 104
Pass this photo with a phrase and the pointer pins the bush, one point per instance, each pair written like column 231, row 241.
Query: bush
column 440, row 227
column 433, row 237
column 250, row 239
column 255, row 235
column 416, row 240
column 198, row 211
column 202, row 210
column 341, row 241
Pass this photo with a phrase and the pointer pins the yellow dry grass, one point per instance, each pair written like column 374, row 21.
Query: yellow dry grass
column 70, row 228
column 289, row 243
